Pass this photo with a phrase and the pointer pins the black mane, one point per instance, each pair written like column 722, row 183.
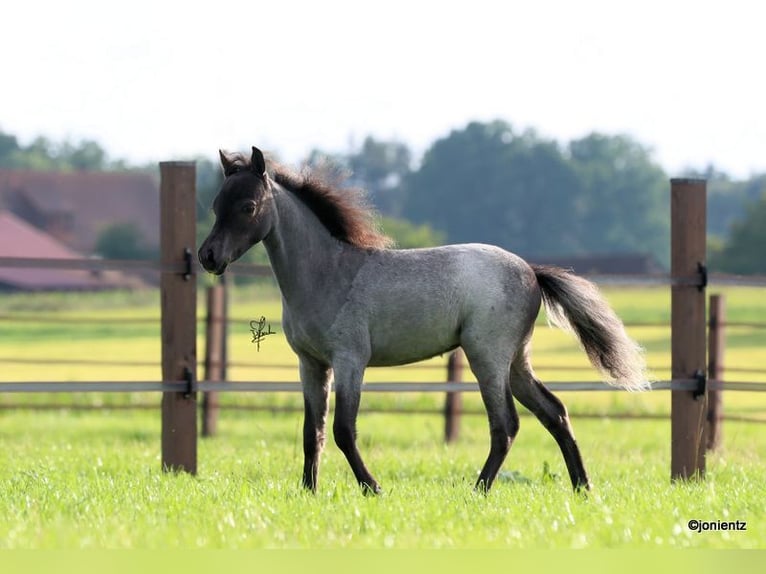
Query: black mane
column 343, row 211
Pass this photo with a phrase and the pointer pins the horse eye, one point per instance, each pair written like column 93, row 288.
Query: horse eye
column 248, row 208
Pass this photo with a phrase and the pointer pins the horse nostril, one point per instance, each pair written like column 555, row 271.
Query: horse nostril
column 206, row 257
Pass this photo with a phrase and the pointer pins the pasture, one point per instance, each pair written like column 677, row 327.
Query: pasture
column 73, row 478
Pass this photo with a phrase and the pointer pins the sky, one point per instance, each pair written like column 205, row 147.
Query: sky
column 164, row 80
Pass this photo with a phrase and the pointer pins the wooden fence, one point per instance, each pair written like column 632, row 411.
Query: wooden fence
column 693, row 425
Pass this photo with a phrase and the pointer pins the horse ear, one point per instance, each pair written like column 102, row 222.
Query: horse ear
column 257, row 162
column 226, row 163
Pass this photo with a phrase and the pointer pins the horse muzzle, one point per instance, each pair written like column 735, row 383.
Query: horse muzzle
column 210, row 261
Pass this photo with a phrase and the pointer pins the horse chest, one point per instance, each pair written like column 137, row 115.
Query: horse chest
column 309, row 334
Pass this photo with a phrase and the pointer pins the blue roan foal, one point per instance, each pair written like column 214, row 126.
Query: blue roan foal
column 346, row 296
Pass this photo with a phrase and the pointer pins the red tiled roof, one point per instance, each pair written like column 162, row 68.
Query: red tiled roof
column 90, row 201
column 19, row 239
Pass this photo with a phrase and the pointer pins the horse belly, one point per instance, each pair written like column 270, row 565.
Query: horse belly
column 413, row 334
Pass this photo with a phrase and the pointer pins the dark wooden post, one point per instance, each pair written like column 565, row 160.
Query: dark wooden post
column 688, row 408
column 214, row 334
column 716, row 344
column 453, row 403
column 179, row 310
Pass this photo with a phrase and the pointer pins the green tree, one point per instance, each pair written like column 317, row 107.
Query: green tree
column 727, row 198
column 380, row 167
column 43, row 154
column 86, row 155
column 377, row 166
column 209, row 180
column 623, row 202
column 9, row 147
column 490, row 184
column 743, row 251
column 38, row 155
column 123, row 241
column 408, row 235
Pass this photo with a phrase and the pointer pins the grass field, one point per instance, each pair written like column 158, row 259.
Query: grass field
column 85, row 480
column 71, row 479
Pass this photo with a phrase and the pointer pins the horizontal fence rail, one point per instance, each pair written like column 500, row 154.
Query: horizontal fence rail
column 379, row 387
column 98, row 264
column 661, row 279
column 292, row 367
column 91, row 264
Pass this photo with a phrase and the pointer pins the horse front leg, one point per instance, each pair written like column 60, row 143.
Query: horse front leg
column 348, row 391
column 315, row 380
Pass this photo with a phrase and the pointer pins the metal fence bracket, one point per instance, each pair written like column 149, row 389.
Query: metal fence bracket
column 701, row 379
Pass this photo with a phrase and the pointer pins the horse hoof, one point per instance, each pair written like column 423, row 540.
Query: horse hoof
column 582, row 489
column 482, row 487
column 370, row 489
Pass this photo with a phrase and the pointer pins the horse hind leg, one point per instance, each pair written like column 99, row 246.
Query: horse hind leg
column 503, row 428
column 493, row 380
column 552, row 413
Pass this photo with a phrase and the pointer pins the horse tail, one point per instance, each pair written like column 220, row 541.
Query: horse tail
column 575, row 304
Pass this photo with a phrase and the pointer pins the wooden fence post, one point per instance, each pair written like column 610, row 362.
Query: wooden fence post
column 453, row 403
column 178, row 293
column 688, row 408
column 214, row 334
column 716, row 345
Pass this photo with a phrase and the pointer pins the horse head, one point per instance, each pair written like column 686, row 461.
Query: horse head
column 243, row 211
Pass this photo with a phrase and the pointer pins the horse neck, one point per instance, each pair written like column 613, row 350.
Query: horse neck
column 305, row 257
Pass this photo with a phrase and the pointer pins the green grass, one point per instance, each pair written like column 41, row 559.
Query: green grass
column 70, row 480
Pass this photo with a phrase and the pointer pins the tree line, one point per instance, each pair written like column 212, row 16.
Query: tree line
column 599, row 194
column 489, row 182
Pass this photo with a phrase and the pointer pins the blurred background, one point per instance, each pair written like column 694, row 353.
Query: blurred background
column 548, row 128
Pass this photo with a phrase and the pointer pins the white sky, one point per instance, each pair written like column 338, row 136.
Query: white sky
column 162, row 80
